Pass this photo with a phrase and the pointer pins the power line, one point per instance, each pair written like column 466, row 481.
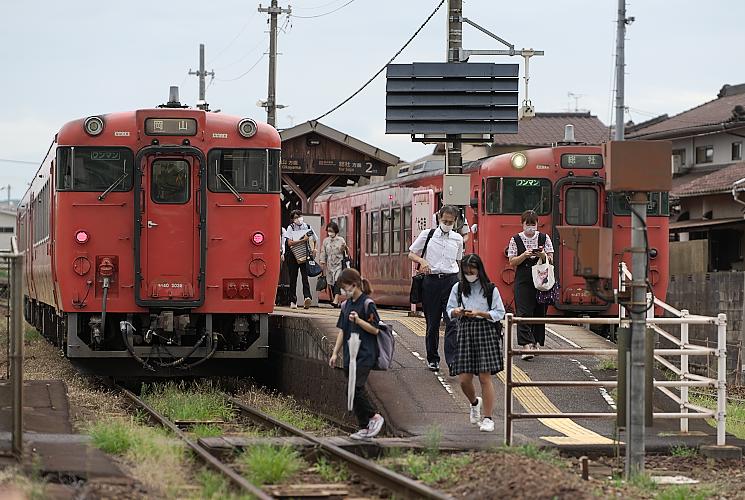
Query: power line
column 386, row 64
column 243, row 57
column 318, row 6
column 327, row 13
column 19, row 161
column 247, row 71
column 230, row 44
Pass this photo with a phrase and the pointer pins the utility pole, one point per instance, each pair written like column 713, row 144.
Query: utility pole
column 271, row 101
column 620, row 67
column 453, row 157
column 202, row 104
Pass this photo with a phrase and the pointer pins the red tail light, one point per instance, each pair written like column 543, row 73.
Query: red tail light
column 81, row 237
column 258, row 238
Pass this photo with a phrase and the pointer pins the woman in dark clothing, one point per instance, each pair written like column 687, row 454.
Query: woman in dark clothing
column 524, row 250
column 359, row 316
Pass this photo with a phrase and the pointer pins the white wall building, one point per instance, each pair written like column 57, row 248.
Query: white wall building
column 7, row 228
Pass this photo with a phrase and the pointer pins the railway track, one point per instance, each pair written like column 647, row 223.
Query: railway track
column 398, row 484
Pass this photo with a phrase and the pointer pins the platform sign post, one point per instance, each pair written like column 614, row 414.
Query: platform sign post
column 16, row 348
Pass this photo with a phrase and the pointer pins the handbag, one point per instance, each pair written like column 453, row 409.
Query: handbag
column 346, row 262
column 417, row 281
column 311, row 266
column 543, row 276
column 321, row 284
column 548, row 297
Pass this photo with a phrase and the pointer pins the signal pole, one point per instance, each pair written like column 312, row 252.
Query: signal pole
column 453, row 156
column 271, row 101
column 201, row 74
column 621, row 23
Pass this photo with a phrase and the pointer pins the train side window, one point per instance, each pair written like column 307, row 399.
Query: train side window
column 375, row 232
column 493, row 195
column 94, row 169
column 396, row 231
column 521, row 194
column 407, row 227
column 368, row 230
column 342, row 223
column 385, row 232
column 581, row 206
column 170, row 181
column 483, row 196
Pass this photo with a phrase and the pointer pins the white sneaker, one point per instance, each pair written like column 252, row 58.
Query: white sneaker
column 476, row 412
column 487, row 425
column 360, row 435
column 527, row 356
column 293, row 305
column 307, row 303
column 374, row 425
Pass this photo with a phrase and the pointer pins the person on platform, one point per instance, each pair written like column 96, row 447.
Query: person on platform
column 440, row 265
column 476, row 306
column 360, row 316
column 464, row 229
column 524, row 250
column 331, row 259
column 299, row 236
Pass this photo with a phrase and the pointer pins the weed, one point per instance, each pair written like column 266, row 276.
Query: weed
column 113, row 436
column 206, row 430
column 17, row 485
column 179, row 402
column 607, row 364
column 443, row 471
column 332, row 473
column 31, row 334
column 684, row 493
column 267, row 464
column 550, row 456
column 291, row 413
column 643, row 482
column 432, row 439
column 735, row 423
column 683, row 451
column 214, row 486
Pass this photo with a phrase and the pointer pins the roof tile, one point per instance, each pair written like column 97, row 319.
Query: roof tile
column 545, row 129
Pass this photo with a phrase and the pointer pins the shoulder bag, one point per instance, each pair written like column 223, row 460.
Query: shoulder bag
column 417, row 282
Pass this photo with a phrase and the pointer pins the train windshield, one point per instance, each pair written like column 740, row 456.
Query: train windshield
column 658, row 204
column 245, row 170
column 514, row 195
column 94, row 169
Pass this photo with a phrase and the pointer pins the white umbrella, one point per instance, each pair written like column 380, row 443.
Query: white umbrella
column 354, row 347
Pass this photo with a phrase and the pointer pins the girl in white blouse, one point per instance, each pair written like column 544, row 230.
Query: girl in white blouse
column 476, row 302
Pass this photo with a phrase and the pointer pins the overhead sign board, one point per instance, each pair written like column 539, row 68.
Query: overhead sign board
column 452, row 98
column 333, row 167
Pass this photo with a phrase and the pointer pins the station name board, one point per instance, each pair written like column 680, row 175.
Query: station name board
column 332, row 167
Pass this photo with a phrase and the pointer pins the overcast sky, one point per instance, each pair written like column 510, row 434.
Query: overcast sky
column 65, row 60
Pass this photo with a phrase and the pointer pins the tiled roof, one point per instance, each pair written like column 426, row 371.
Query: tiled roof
column 545, row 129
column 716, row 112
column 713, row 183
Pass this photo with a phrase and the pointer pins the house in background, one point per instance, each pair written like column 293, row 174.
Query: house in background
column 7, row 228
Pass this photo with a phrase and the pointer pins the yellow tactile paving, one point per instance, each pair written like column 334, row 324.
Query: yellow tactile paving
column 535, row 401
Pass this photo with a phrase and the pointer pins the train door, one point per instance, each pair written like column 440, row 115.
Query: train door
column 422, row 208
column 579, row 205
column 170, row 244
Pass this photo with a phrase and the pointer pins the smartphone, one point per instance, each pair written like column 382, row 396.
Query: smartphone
column 536, row 250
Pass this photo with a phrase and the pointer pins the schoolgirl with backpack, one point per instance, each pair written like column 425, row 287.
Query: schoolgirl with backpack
column 359, row 317
column 478, row 307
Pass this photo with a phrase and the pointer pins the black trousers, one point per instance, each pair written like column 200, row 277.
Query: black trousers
column 363, row 408
column 527, row 306
column 294, row 266
column 435, row 294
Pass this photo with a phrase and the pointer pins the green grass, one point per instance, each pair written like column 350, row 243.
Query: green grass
column 298, row 417
column 199, row 402
column 547, row 455
column 444, row 471
column 215, row 486
column 684, row 493
column 206, row 430
column 643, row 482
column 433, row 439
column 683, row 451
column 115, row 437
column 330, row 472
column 265, row 464
column 607, row 364
column 735, row 423
column 31, row 334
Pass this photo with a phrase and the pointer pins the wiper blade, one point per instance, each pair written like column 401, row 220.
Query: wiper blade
column 227, row 183
column 111, row 188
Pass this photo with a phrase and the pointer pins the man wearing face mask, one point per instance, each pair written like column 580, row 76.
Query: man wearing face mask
column 524, row 251
column 298, row 235
column 440, row 264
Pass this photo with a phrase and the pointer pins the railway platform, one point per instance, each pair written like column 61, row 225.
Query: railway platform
column 420, row 404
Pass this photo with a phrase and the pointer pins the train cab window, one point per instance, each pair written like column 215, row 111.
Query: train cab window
column 521, row 194
column 170, row 181
column 659, row 204
column 385, row 232
column 581, row 206
column 94, row 169
column 407, row 227
column 244, row 170
column 492, row 194
column 374, row 232
column 396, row 231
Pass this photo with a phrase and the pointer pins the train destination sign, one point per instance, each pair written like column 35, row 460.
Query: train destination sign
column 581, row 161
column 170, row 126
column 333, row 167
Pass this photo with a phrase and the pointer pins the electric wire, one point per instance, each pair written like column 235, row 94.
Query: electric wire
column 235, row 38
column 317, row 6
column 326, row 13
column 368, row 82
column 246, row 72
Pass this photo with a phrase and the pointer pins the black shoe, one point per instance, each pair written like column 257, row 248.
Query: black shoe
column 433, row 367
column 450, row 370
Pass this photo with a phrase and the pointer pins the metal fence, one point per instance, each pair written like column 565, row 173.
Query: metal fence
column 686, row 379
column 13, row 291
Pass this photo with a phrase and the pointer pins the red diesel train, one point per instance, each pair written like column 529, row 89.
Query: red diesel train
column 153, row 235
column 563, row 184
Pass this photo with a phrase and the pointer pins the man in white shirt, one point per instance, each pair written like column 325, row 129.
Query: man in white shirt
column 440, row 264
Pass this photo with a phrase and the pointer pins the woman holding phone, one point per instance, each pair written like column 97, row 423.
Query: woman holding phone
column 524, row 250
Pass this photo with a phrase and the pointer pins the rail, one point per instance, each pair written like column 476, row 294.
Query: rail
column 14, row 291
column 684, row 350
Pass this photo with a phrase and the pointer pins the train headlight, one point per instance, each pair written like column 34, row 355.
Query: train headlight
column 247, row 127
column 258, row 238
column 519, row 160
column 93, row 125
column 82, row 237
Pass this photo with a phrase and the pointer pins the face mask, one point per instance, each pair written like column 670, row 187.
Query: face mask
column 472, row 278
column 446, row 228
column 530, row 230
column 332, row 235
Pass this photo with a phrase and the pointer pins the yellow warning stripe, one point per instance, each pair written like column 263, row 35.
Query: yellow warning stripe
column 535, row 401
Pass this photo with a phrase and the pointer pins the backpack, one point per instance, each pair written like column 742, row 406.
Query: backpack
column 386, row 341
